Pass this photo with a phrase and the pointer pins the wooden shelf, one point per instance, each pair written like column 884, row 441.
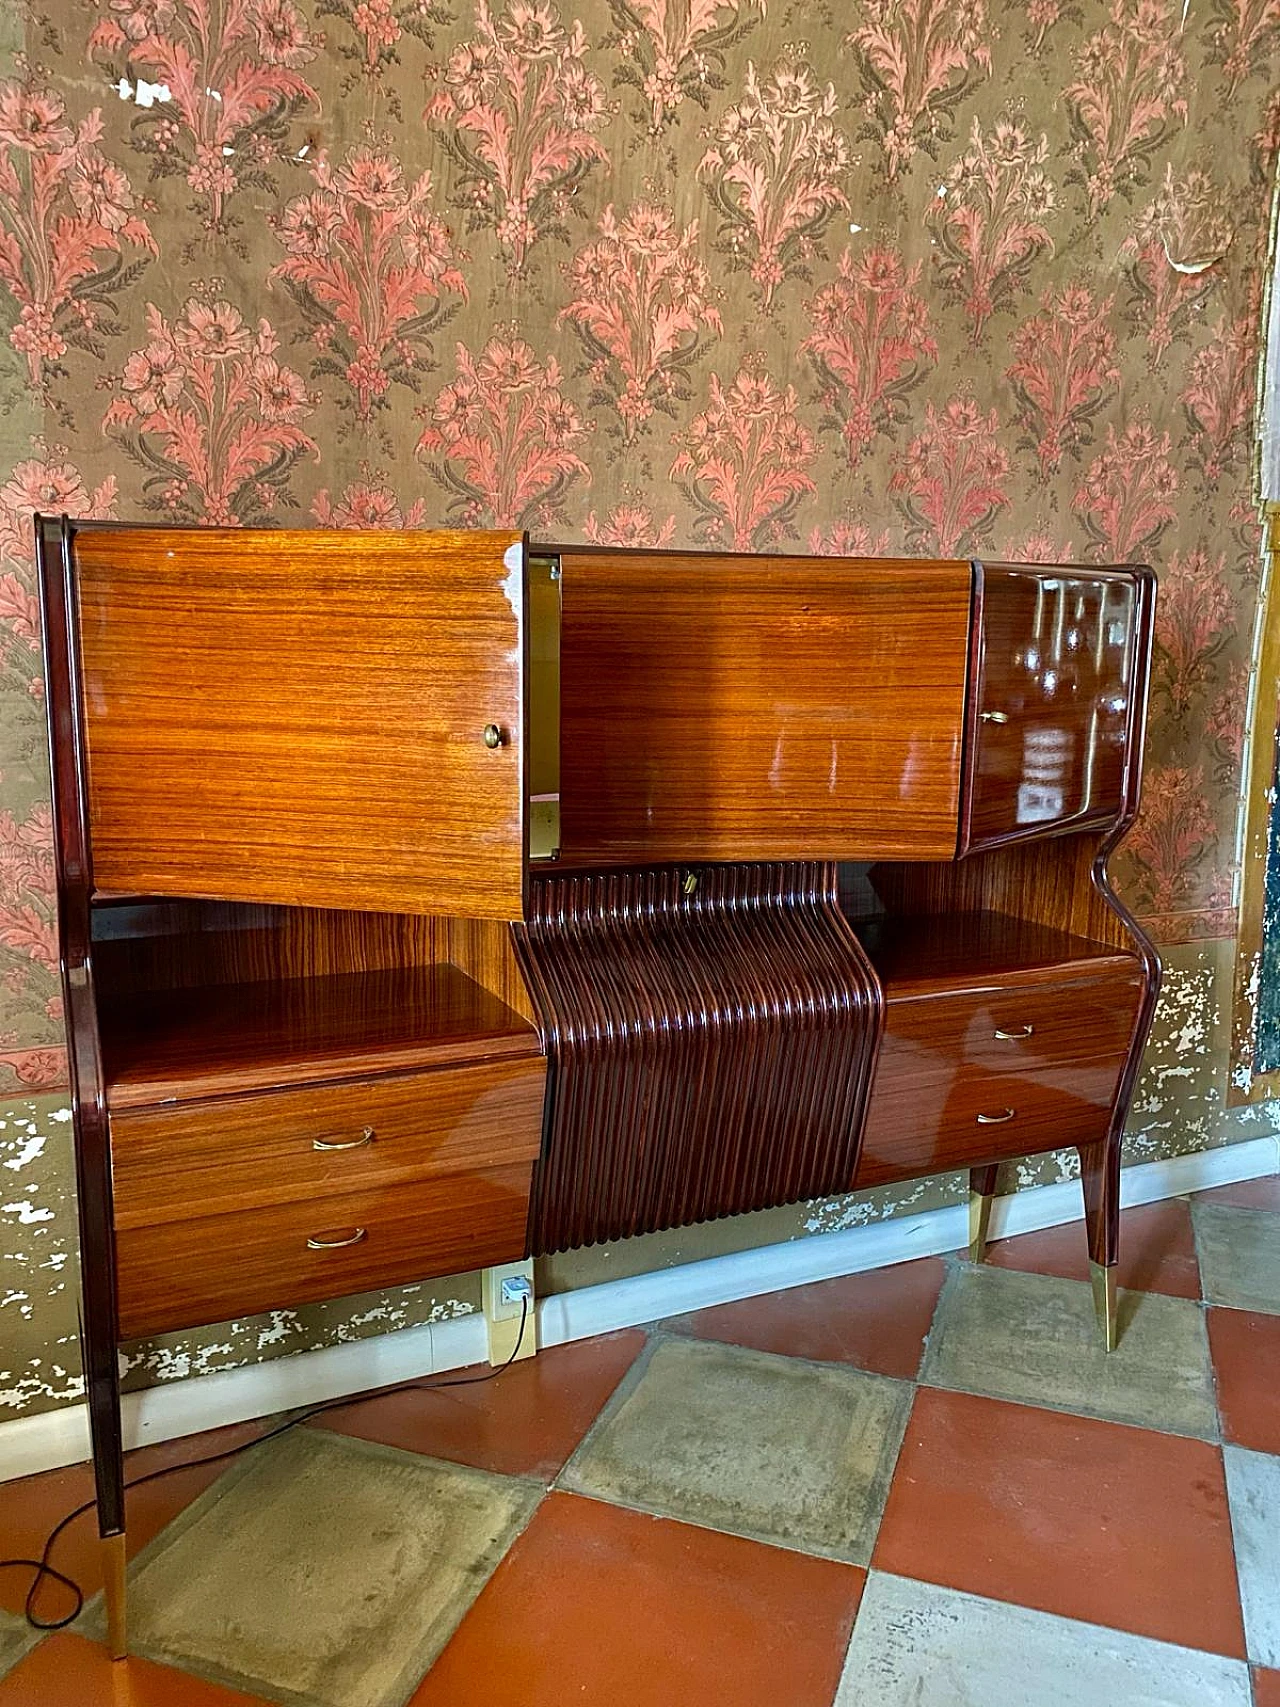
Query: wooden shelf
column 920, row 954
column 180, row 1045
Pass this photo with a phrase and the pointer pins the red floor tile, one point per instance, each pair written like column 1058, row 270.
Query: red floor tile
column 596, row 1604
column 525, row 1422
column 1246, row 1360
column 1157, row 1250
column 1091, row 1520
column 1266, row 1688
column 67, row 1671
column 875, row 1321
column 1261, row 1193
column 31, row 1507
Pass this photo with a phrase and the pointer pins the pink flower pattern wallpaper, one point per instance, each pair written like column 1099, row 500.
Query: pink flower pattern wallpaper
column 899, row 276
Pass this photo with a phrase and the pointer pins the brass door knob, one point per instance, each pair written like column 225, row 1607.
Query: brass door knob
column 492, row 735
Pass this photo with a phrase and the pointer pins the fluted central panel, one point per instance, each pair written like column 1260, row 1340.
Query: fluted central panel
column 710, row 1032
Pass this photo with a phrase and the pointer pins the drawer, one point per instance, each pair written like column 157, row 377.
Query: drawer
column 963, row 1079
column 185, row 1274
column 374, row 1134
column 918, row 1125
column 1055, row 686
column 1010, row 1026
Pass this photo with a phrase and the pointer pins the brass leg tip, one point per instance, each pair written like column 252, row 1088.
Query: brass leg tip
column 979, row 1222
column 1104, row 1301
column 113, row 1574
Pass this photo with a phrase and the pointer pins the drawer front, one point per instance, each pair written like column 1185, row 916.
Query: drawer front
column 973, row 1078
column 917, row 1126
column 186, row 1274
column 1055, row 687
column 1013, row 1028
column 297, row 1145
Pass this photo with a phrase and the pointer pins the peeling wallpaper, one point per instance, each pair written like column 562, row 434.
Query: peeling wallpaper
column 895, row 276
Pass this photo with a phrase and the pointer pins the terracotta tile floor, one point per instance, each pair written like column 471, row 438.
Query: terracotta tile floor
column 589, row 1531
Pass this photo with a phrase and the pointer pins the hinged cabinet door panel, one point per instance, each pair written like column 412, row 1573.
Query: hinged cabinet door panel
column 740, row 708
column 1055, row 685
column 324, row 718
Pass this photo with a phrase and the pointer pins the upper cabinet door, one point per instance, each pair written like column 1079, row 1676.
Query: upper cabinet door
column 1058, row 686
column 325, row 718
column 733, row 708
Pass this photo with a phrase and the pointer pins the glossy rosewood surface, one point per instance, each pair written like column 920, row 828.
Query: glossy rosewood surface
column 243, row 1152
column 710, row 1032
column 186, row 1273
column 1056, row 686
column 186, row 1044
column 1037, row 1053
column 922, row 954
column 300, row 717
column 64, row 691
column 717, row 707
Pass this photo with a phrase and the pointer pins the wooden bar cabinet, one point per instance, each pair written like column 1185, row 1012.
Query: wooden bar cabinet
column 428, row 900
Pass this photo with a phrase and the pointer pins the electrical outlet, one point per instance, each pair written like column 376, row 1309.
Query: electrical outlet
column 508, row 1295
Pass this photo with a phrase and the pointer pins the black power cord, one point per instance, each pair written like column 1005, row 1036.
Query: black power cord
column 41, row 1568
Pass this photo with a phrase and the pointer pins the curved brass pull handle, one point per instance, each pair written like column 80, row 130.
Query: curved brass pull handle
column 366, row 1137
column 996, row 1119
column 314, row 1244
column 492, row 736
column 994, row 716
column 1008, row 1036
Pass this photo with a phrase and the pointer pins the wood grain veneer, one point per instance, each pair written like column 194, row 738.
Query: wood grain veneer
column 246, row 1152
column 179, row 1045
column 209, row 1269
column 928, row 953
column 717, row 707
column 299, row 717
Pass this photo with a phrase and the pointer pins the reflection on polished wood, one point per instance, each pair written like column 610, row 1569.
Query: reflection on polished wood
column 1056, row 668
column 244, row 1152
column 299, row 717
column 717, row 707
column 172, row 1045
column 210, row 1268
column 1003, row 1061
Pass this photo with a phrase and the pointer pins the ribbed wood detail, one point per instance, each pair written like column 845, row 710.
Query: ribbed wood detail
column 710, row 1032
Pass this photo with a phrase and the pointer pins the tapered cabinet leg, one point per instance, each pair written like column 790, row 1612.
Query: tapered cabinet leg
column 113, row 1587
column 1100, row 1176
column 982, row 1188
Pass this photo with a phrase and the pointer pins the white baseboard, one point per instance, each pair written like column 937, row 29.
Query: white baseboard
column 173, row 1409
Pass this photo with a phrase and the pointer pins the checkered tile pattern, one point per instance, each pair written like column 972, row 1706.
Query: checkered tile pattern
column 927, row 1485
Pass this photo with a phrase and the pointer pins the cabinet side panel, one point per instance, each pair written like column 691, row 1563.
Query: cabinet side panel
column 738, row 708
column 300, row 717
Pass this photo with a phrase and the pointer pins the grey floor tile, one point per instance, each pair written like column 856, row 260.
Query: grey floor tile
column 796, row 1453
column 1239, row 1251
column 917, row 1645
column 324, row 1570
column 1253, row 1487
column 16, row 1637
column 1034, row 1339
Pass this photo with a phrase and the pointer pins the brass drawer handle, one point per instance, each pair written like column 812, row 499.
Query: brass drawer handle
column 366, row 1137
column 314, row 1244
column 492, row 736
column 1008, row 1036
column 996, row 1119
column 994, row 716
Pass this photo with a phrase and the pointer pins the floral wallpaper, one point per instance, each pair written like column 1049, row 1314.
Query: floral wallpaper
column 894, row 276
column 897, row 277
